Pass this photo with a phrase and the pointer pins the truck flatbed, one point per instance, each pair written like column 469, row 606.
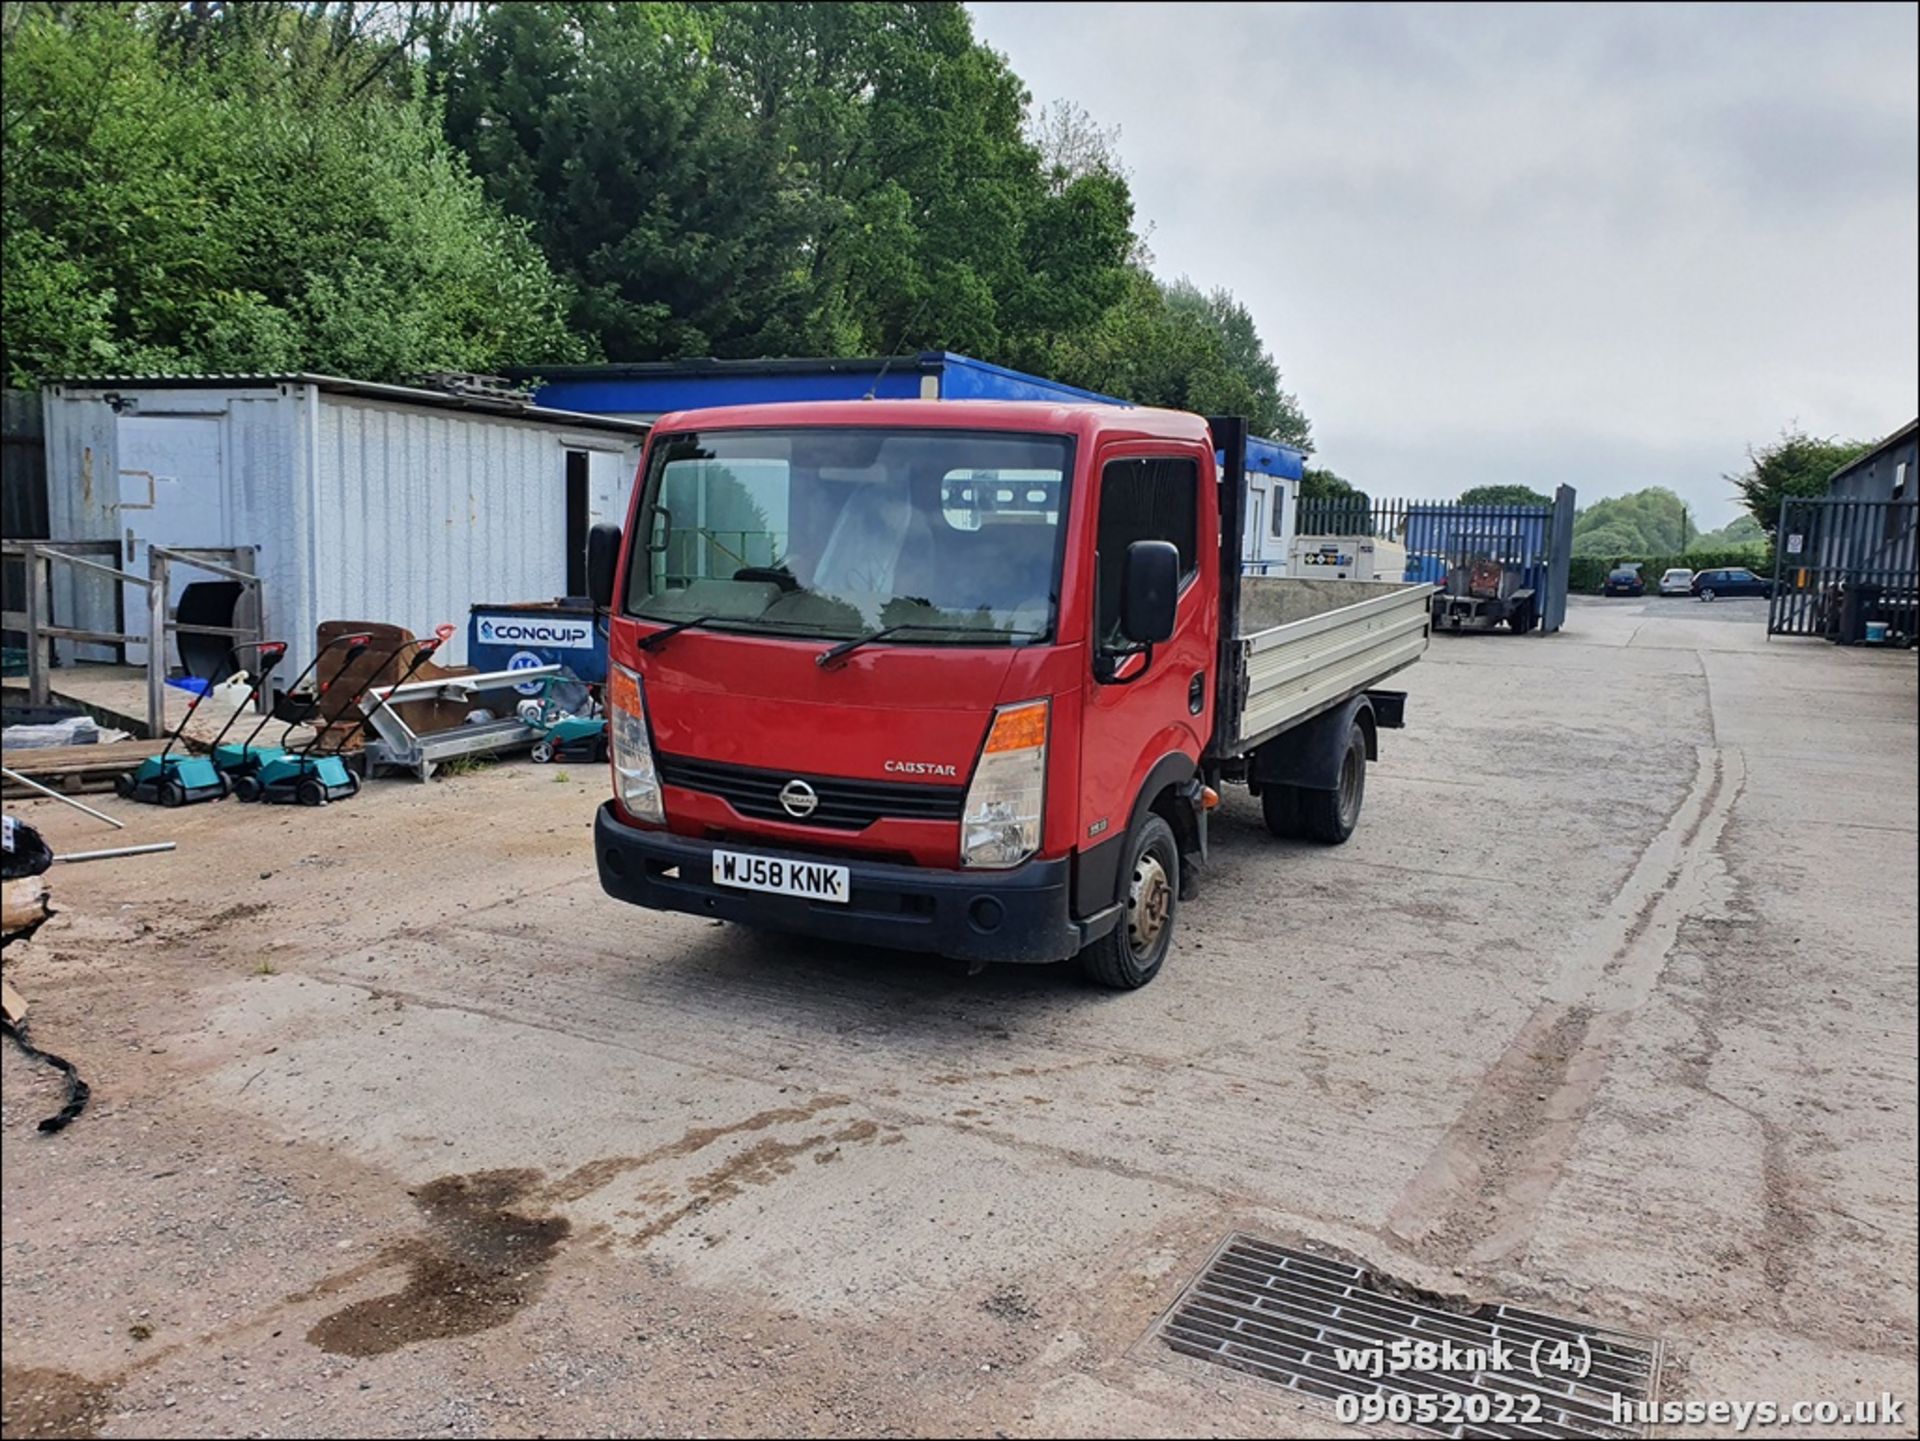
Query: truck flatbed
column 1306, row 644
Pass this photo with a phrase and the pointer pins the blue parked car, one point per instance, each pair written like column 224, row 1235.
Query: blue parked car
column 1734, row 580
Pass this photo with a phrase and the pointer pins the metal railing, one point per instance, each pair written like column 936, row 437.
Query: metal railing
column 37, row 623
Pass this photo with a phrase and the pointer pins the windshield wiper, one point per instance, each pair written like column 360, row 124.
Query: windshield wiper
column 833, row 652
column 660, row 637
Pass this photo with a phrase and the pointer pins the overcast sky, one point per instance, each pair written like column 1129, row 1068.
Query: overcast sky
column 1605, row 246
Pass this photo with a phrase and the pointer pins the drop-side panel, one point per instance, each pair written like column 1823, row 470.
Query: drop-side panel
column 1296, row 669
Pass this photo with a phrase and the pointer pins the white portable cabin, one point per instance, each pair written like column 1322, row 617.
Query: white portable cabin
column 365, row 501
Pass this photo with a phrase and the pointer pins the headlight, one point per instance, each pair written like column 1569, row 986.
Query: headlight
column 636, row 784
column 1001, row 824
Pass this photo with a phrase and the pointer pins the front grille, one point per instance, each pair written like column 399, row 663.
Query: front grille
column 844, row 805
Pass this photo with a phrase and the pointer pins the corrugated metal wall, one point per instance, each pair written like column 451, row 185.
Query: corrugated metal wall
column 360, row 509
column 427, row 512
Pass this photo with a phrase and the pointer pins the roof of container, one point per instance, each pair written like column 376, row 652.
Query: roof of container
column 708, row 365
column 500, row 406
column 1878, row 449
column 979, row 379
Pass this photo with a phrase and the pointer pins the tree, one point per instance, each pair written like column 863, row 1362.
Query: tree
column 1503, row 495
column 1741, row 533
column 1647, row 522
column 1795, row 465
column 771, row 179
column 172, row 210
column 1273, row 412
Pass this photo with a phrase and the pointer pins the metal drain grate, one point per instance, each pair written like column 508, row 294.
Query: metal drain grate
column 1303, row 1322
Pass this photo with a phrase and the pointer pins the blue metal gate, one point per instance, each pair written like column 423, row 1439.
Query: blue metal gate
column 1847, row 570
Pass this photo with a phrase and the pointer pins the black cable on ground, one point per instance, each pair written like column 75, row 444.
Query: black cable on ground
column 77, row 1090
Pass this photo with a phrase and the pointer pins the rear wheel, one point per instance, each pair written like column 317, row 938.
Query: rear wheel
column 1522, row 618
column 1280, row 807
column 1129, row 955
column 123, row 785
column 1330, row 816
column 310, row 792
column 542, row 752
column 247, row 788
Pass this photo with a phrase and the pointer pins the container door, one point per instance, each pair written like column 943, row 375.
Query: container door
column 609, row 484
column 172, row 493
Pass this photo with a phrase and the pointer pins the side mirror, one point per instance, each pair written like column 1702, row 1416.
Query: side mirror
column 1149, row 591
column 603, row 559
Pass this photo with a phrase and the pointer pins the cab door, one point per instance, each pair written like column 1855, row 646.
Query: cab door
column 1148, row 705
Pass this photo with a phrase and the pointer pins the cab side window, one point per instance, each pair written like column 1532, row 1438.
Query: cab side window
column 1143, row 499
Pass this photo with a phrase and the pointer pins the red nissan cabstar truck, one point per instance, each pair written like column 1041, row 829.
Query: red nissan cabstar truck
column 965, row 677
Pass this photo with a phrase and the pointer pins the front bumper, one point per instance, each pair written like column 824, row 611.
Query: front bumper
column 1024, row 914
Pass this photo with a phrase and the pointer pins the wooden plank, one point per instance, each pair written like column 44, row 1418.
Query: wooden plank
column 13, row 1003
column 43, row 761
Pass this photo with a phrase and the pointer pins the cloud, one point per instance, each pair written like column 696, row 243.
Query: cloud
column 1609, row 245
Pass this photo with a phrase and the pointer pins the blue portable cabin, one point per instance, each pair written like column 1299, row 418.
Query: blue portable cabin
column 650, row 389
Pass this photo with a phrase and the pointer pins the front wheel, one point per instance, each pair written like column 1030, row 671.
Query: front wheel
column 1129, row 955
column 542, row 752
column 1706, row 592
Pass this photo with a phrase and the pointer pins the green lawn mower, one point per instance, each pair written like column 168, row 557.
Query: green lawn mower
column 563, row 734
column 303, row 778
column 183, row 780
column 243, row 758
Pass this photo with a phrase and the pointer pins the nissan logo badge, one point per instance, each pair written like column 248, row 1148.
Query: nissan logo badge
column 798, row 799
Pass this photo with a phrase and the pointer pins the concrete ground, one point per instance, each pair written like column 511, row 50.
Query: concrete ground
column 401, row 1127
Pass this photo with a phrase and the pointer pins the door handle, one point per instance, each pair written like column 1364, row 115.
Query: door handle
column 1197, row 692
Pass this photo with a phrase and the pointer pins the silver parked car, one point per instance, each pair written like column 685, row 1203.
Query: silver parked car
column 1678, row 581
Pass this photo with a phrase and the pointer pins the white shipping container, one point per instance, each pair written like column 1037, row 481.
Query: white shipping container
column 365, row 502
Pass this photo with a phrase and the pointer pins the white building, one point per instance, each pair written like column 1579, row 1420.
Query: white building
column 366, row 502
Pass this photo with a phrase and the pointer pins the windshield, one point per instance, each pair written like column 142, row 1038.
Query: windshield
column 948, row 536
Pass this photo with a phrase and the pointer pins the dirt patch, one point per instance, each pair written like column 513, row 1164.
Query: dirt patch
column 594, row 1174
column 480, row 1263
column 41, row 1402
column 758, row 1165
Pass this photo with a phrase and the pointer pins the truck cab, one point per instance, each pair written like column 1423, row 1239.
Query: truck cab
column 933, row 676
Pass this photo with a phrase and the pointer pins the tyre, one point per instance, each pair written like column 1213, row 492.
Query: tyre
column 226, row 785
column 542, row 752
column 1330, row 816
column 123, row 785
column 1280, row 806
column 1129, row 955
column 353, row 784
column 1706, row 592
column 600, row 753
column 1522, row 619
column 172, row 793
column 310, row 792
column 247, row 788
